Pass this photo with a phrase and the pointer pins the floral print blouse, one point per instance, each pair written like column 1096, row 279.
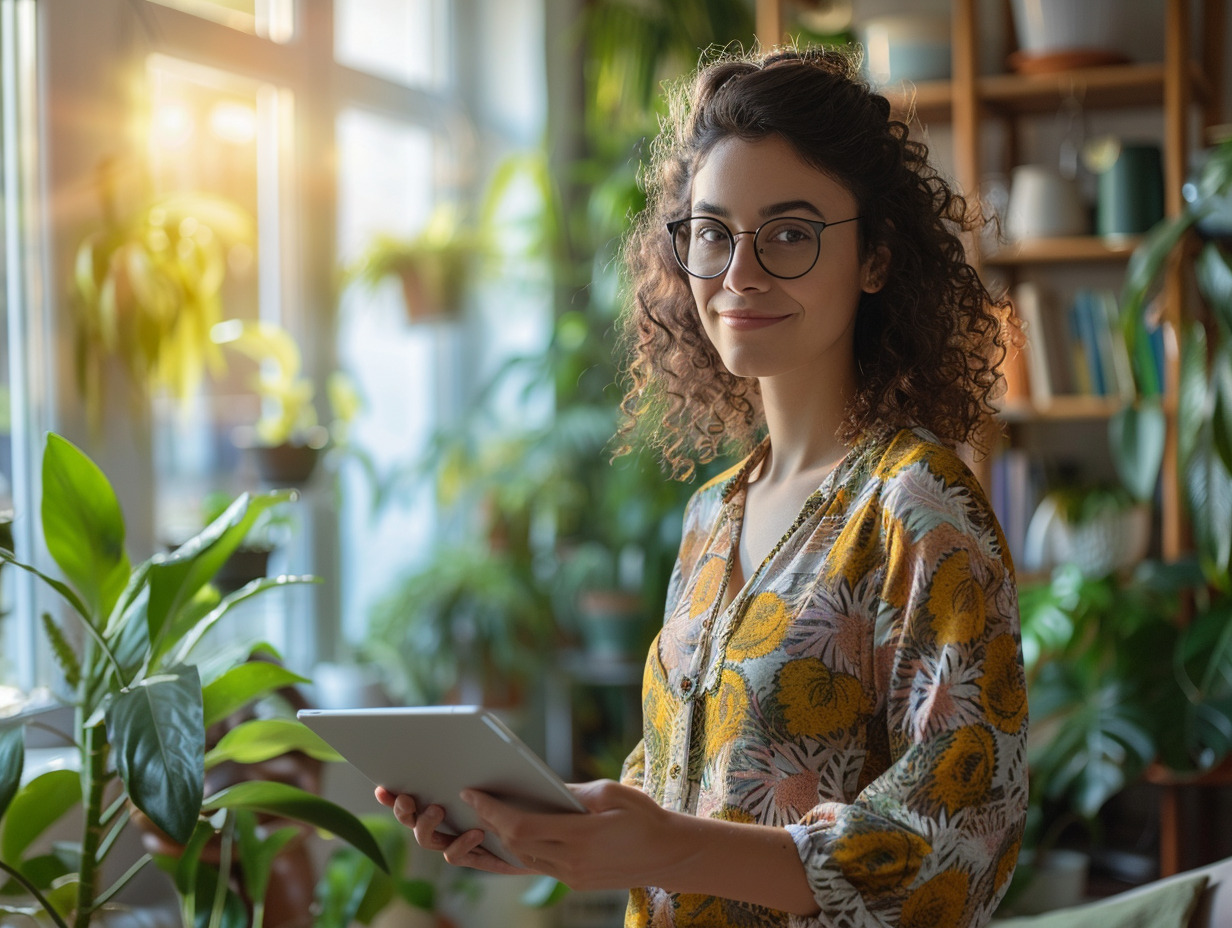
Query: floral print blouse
column 864, row 690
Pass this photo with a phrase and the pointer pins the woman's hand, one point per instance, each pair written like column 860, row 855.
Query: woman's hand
column 621, row 843
column 460, row 850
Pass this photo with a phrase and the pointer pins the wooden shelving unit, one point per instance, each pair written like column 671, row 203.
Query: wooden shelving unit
column 1184, row 88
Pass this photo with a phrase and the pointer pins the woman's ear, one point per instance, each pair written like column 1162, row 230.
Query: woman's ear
column 876, row 269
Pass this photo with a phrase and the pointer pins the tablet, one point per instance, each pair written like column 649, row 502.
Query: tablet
column 435, row 752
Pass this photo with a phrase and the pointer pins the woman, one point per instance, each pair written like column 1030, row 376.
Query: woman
column 834, row 711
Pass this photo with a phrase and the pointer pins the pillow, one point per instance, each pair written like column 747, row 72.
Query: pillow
column 1167, row 904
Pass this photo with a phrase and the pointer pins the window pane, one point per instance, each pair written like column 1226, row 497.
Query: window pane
column 224, row 138
column 402, row 40
column 385, row 172
column 269, row 19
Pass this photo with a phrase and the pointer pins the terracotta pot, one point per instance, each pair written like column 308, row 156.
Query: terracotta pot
column 287, row 464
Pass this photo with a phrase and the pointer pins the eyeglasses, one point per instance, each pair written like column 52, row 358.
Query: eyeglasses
column 786, row 246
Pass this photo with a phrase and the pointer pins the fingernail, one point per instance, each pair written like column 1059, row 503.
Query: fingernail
column 467, row 796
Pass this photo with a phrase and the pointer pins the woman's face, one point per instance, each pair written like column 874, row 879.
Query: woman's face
column 764, row 326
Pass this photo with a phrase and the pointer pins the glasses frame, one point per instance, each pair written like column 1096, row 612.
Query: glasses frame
column 819, row 224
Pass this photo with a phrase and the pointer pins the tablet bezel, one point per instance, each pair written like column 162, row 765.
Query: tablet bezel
column 435, row 752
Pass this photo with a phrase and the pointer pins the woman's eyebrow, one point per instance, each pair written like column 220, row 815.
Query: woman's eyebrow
column 774, row 209
column 790, row 206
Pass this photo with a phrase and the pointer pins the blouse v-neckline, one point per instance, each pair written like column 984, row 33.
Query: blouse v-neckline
column 735, row 501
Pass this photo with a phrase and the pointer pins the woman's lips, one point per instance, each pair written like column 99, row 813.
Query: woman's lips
column 746, row 321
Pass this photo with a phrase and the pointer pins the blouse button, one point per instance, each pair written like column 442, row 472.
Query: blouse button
column 674, row 773
column 686, row 684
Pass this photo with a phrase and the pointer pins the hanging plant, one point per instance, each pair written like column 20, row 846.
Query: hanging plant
column 149, row 291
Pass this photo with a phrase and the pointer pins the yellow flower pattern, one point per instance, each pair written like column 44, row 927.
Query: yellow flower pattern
column 901, row 777
column 761, row 629
column 878, row 862
column 725, row 711
column 939, row 903
column 963, row 775
column 816, row 701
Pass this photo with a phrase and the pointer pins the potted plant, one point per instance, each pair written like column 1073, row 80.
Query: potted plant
column 149, row 292
column 431, row 267
column 288, row 438
column 1204, row 403
column 143, row 699
column 1116, row 686
column 470, row 625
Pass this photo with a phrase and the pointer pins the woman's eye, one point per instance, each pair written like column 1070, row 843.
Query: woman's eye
column 791, row 234
column 711, row 234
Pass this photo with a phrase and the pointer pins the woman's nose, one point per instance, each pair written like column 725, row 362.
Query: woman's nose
column 745, row 271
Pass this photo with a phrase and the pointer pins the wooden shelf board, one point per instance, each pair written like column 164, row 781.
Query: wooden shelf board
column 1108, row 86
column 925, row 102
column 1061, row 250
column 1062, row 408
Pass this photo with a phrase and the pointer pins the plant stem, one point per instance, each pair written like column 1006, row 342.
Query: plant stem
column 33, row 891
column 94, row 782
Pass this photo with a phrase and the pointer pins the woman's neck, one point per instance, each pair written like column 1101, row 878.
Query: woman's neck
column 803, row 426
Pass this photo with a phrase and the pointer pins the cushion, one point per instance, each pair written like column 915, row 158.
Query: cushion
column 1168, row 904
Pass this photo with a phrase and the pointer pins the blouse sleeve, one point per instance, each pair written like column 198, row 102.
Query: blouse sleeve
column 633, row 773
column 933, row 839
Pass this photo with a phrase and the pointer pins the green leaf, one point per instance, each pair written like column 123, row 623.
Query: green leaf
column 544, row 892
column 1192, row 402
column 186, row 642
column 83, row 525
column 418, row 893
column 156, row 729
column 176, row 578
column 12, row 760
column 347, row 883
column 234, row 913
column 257, row 853
column 1208, row 486
column 65, row 656
column 1221, row 414
column 1215, row 281
column 37, row 805
column 241, row 685
column 259, row 740
column 1136, row 435
column 58, row 585
column 288, row 802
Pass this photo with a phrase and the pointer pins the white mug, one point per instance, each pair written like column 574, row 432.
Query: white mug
column 1043, row 204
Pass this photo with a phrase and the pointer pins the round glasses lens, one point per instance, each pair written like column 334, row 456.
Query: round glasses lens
column 703, row 246
column 787, row 247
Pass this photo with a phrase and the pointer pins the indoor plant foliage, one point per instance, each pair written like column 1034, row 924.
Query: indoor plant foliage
column 149, row 288
column 142, row 707
column 1204, row 404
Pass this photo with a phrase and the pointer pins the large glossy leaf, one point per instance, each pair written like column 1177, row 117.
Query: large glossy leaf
column 1208, row 486
column 176, row 578
column 242, row 684
column 1192, row 403
column 184, row 643
column 37, row 805
column 261, row 739
column 289, row 802
column 157, row 733
column 1215, row 281
column 1142, row 273
column 1221, row 413
column 1137, row 436
column 12, row 760
column 83, row 525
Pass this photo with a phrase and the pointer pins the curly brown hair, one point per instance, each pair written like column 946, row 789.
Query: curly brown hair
column 928, row 344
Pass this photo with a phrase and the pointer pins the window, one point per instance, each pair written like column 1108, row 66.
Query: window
column 238, row 99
